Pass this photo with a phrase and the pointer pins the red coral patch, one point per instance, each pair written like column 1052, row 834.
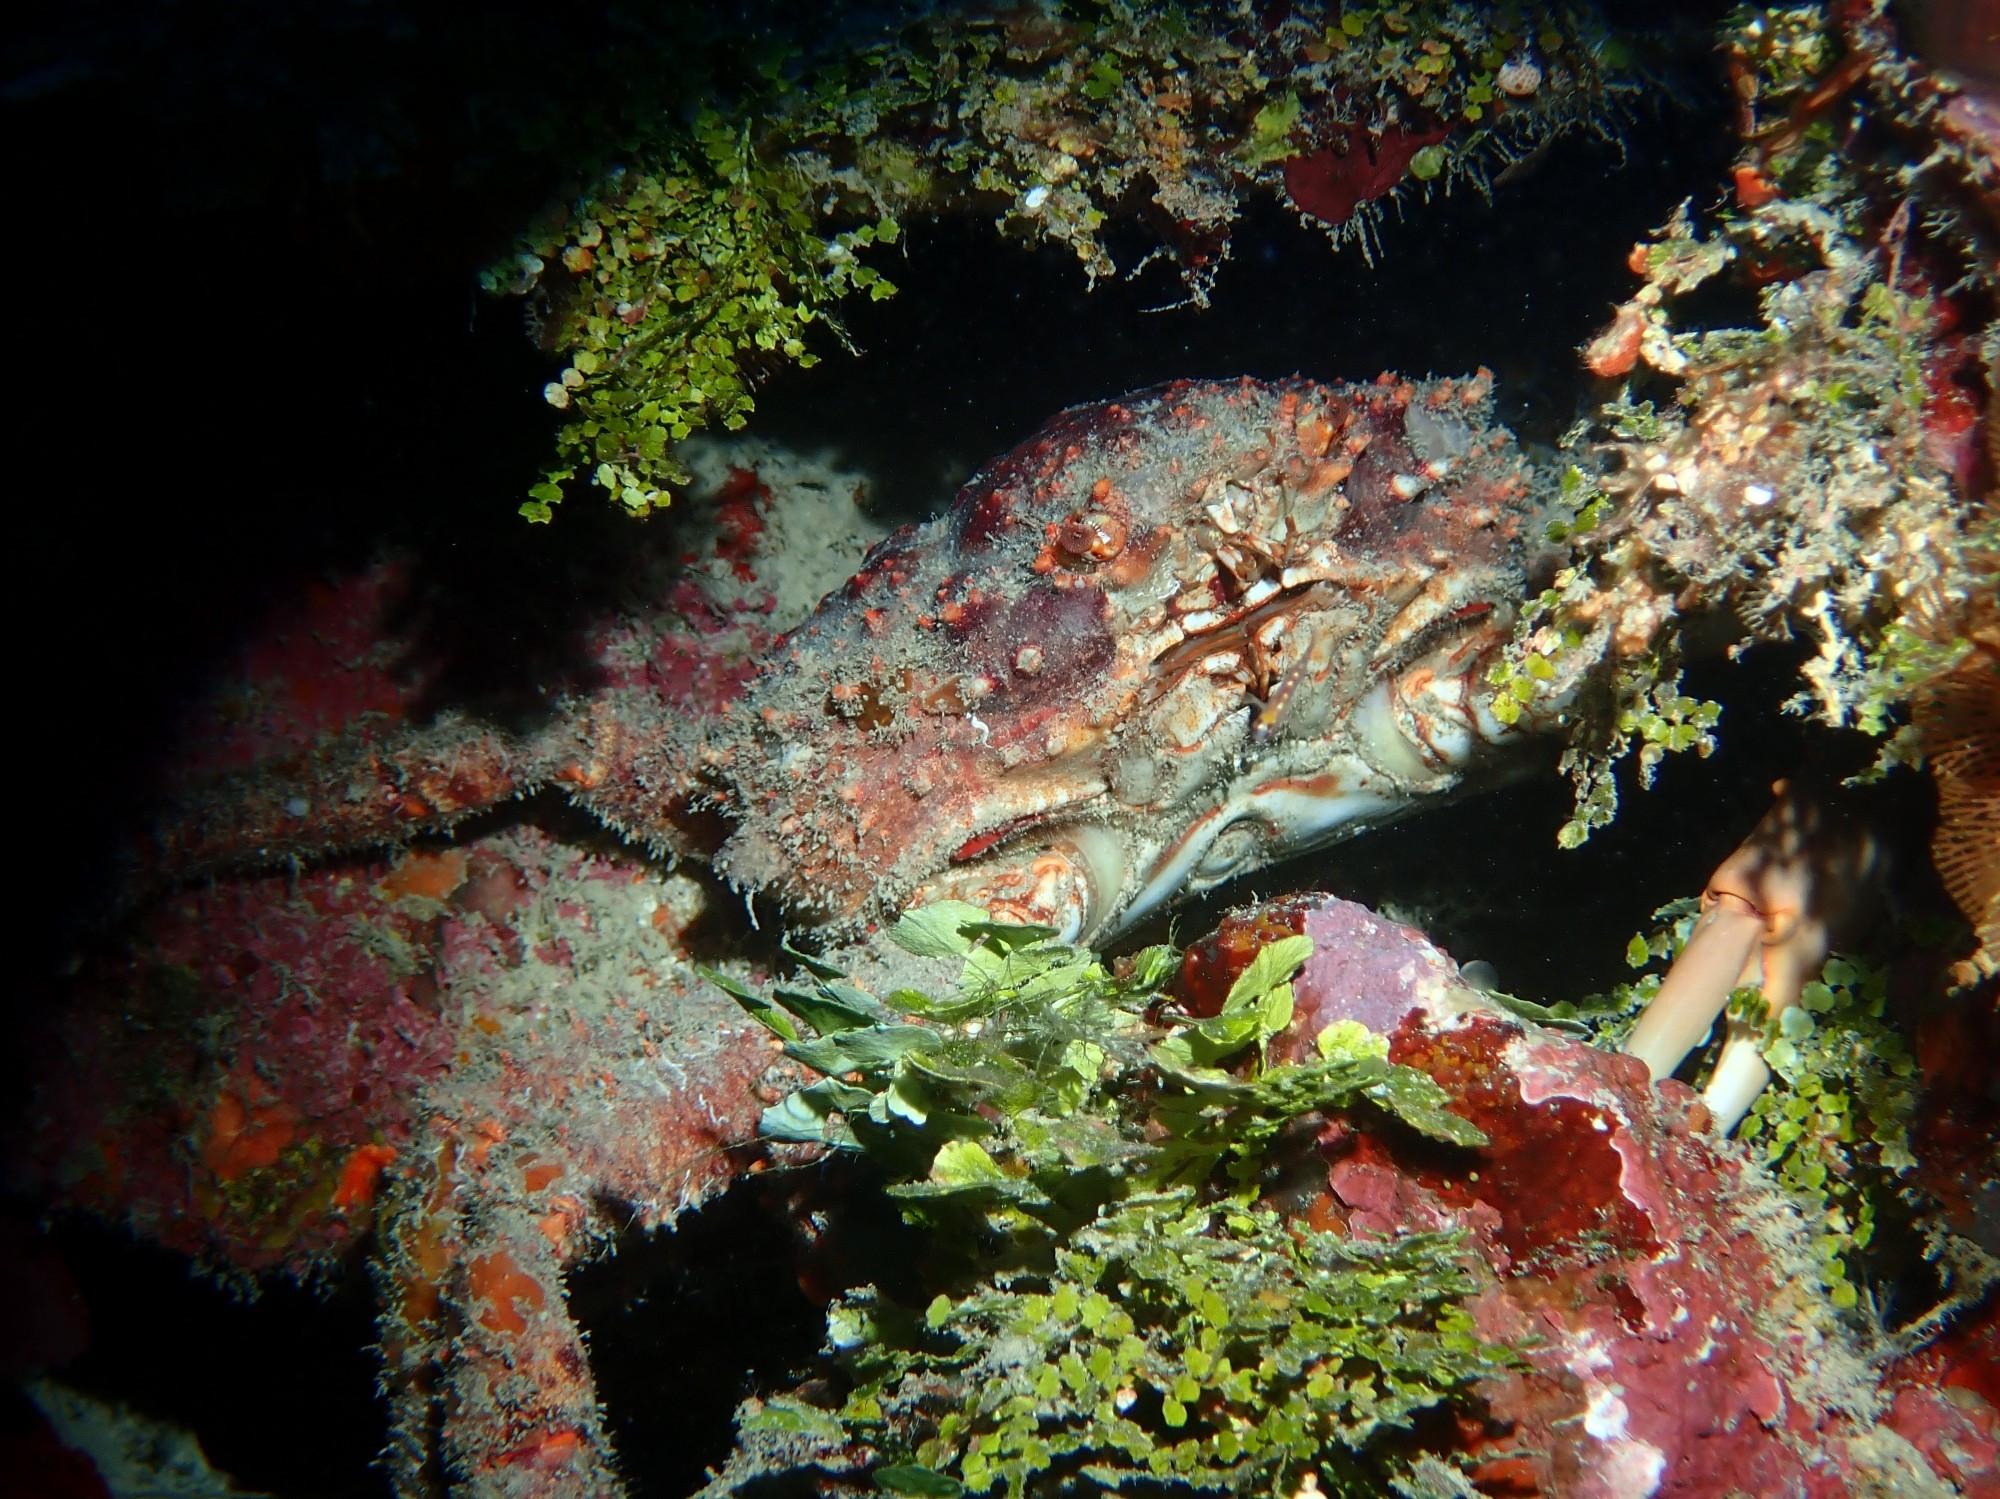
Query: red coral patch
column 1550, row 1170
column 1355, row 165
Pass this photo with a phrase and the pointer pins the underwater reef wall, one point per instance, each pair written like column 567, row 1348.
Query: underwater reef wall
column 1256, row 1217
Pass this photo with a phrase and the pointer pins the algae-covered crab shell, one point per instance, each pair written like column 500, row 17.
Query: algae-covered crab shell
column 1167, row 639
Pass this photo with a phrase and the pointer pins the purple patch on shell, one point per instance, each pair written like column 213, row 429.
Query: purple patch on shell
column 1365, row 967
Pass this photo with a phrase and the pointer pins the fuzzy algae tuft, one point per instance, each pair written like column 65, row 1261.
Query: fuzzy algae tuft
column 680, row 278
column 1118, row 1299
column 1788, row 462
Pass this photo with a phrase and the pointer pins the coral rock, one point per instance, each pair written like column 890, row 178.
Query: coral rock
column 1661, row 1288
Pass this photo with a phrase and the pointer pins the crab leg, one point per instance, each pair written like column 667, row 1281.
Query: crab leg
column 1721, row 949
column 484, row 1340
column 1768, row 917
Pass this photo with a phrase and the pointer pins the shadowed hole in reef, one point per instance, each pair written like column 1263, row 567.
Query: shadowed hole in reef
column 280, row 1388
column 685, row 1324
column 987, row 339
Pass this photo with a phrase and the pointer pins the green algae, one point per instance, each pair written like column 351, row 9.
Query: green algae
column 724, row 236
column 1115, row 1301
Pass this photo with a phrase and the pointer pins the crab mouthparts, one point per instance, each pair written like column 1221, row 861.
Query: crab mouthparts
column 1406, row 739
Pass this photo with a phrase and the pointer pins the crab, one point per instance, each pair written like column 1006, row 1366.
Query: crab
column 1168, row 639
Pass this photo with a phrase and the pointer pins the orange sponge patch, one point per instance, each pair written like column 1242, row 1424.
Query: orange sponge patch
column 498, row 1284
column 244, row 1136
column 431, row 875
column 538, row 1174
column 361, row 1176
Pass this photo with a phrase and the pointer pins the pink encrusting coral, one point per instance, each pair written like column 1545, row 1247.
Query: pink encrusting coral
column 602, row 1072
column 332, row 730
column 463, row 1053
column 1945, row 1396
column 1660, row 1288
column 350, row 656
column 230, row 1083
column 475, row 1047
column 324, row 660
column 594, row 1068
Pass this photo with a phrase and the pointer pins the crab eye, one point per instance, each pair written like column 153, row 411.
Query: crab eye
column 1235, row 848
column 1384, row 741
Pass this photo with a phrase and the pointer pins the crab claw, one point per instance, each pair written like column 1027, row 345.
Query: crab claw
column 1768, row 916
column 1065, row 882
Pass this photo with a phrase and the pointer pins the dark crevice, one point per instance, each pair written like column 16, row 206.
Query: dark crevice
column 277, row 1380
column 686, row 1324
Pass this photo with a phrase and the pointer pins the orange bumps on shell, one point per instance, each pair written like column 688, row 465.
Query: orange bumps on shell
column 1095, row 534
column 501, row 1287
column 1315, row 434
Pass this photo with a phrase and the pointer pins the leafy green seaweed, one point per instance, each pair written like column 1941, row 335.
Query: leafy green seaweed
column 1117, row 1302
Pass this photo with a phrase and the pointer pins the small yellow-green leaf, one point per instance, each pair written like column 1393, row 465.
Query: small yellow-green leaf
column 1274, row 964
column 965, row 1163
column 932, row 931
column 913, row 1482
column 1350, row 1041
